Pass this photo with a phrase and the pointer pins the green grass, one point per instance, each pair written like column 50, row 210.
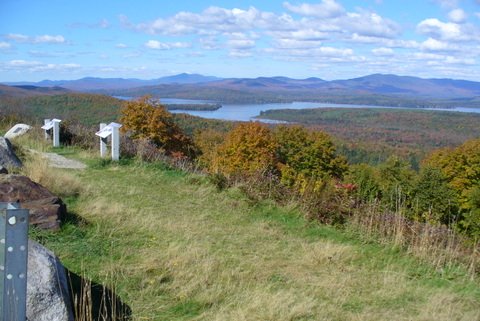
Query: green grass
column 177, row 249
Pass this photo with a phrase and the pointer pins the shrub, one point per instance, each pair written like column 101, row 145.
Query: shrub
column 146, row 118
column 305, row 154
column 434, row 201
column 247, row 149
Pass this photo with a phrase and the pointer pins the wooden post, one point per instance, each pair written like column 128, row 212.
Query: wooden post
column 45, row 122
column 103, row 145
column 56, row 132
column 115, row 141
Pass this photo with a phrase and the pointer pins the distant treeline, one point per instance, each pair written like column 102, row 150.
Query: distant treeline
column 261, row 96
column 199, row 107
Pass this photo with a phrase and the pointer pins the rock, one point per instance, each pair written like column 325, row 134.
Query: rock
column 3, row 170
column 48, row 296
column 7, row 155
column 17, row 130
column 46, row 209
column 56, row 294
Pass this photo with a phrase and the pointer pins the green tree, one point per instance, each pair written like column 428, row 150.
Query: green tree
column 306, row 155
column 434, row 201
column 396, row 180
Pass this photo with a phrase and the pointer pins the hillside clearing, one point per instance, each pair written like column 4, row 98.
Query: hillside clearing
column 177, row 249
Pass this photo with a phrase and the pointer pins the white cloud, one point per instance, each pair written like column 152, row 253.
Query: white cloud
column 239, row 53
column 442, row 30
column 457, row 16
column 4, row 45
column 435, row 45
column 241, row 43
column 383, row 51
column 154, row 44
column 447, row 3
column 37, row 66
column 17, row 37
column 325, row 9
column 121, row 45
column 49, row 39
column 370, row 24
column 37, row 39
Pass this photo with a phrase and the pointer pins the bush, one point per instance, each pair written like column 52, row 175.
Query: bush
column 305, row 154
column 249, row 148
column 146, row 118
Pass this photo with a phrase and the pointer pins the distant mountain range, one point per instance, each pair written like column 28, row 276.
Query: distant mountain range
column 93, row 83
column 376, row 89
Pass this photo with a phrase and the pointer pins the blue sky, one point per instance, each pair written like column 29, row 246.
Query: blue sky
column 329, row 39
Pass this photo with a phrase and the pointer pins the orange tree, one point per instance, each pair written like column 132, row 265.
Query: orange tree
column 146, row 118
column 249, row 148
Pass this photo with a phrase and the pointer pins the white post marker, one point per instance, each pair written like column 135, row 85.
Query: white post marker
column 55, row 125
column 103, row 142
column 45, row 122
column 112, row 130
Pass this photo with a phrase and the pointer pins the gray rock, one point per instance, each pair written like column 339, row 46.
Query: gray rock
column 48, row 297
column 7, row 155
column 17, row 130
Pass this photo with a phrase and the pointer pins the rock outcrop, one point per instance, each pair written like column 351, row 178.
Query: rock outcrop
column 17, row 130
column 48, row 297
column 7, row 155
column 56, row 294
column 46, row 210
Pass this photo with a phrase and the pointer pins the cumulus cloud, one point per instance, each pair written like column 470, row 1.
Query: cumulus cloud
column 441, row 30
column 325, row 9
column 435, row 45
column 154, row 44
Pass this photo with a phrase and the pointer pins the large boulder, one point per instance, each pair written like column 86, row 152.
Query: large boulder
column 56, row 294
column 7, row 155
column 17, row 130
column 48, row 293
column 46, row 210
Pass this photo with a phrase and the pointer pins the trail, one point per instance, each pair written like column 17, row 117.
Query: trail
column 59, row 161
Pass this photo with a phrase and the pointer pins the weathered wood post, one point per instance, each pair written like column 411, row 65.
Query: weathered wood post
column 13, row 261
column 112, row 130
column 54, row 125
column 103, row 142
column 45, row 122
column 115, row 141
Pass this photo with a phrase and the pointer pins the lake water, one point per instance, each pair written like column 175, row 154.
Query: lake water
column 246, row 112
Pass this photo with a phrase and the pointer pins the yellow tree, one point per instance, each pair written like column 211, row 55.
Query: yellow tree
column 249, row 148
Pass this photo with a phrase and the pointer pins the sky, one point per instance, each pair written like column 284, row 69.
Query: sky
column 329, row 39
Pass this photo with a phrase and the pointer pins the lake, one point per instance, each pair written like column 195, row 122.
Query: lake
column 246, row 112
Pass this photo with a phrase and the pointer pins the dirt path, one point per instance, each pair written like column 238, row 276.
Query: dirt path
column 58, row 161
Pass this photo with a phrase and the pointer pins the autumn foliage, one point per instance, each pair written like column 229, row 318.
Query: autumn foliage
column 147, row 119
column 247, row 149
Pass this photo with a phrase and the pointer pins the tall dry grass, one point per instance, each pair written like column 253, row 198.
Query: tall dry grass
column 438, row 245
column 58, row 181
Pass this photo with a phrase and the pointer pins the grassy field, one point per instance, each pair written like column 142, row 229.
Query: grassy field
column 175, row 248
